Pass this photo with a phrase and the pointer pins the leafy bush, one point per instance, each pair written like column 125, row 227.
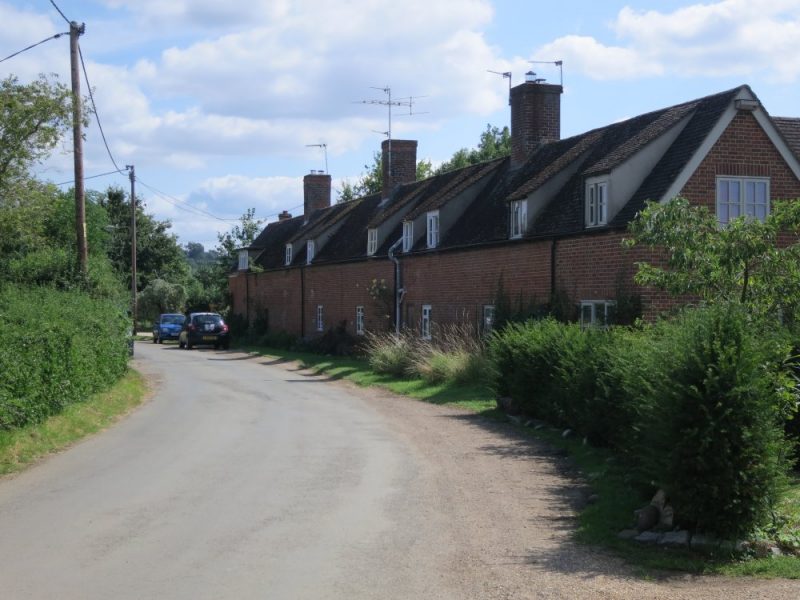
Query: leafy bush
column 56, row 347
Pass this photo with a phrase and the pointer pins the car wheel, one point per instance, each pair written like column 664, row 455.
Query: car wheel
column 189, row 345
column 155, row 340
column 180, row 345
column 160, row 340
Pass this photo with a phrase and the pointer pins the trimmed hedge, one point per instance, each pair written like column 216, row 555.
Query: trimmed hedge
column 56, row 348
column 695, row 405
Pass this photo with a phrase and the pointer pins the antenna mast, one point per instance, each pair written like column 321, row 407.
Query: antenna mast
column 324, row 147
column 389, row 103
column 506, row 75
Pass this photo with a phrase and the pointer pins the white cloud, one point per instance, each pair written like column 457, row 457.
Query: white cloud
column 731, row 37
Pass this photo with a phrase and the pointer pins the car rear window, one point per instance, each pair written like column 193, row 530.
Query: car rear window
column 172, row 319
column 207, row 319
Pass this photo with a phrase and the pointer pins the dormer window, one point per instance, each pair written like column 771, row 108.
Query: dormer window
column 288, row 256
column 519, row 218
column 408, row 235
column 433, row 229
column 596, row 203
column 243, row 260
column 372, row 241
column 309, row 251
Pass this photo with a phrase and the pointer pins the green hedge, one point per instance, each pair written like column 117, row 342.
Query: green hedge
column 695, row 405
column 56, row 348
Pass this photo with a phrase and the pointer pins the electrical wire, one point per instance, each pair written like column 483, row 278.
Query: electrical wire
column 52, row 37
column 63, row 16
column 96, row 114
column 94, row 176
column 181, row 204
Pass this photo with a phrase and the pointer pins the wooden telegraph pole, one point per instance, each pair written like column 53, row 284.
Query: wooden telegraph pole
column 75, row 31
column 134, row 307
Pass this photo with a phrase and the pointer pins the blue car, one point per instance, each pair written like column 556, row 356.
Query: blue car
column 167, row 327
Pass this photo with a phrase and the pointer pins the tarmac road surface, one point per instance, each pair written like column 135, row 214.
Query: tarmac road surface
column 245, row 479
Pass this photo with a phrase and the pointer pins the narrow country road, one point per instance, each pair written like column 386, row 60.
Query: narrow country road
column 244, row 479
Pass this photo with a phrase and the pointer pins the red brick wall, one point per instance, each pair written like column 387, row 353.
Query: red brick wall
column 743, row 149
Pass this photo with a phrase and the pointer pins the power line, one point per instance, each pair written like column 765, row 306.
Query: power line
column 63, row 16
column 52, row 37
column 96, row 114
column 93, row 177
column 181, row 204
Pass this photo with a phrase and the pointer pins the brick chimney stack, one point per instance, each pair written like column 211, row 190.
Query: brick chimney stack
column 316, row 192
column 402, row 156
column 535, row 117
column 284, row 216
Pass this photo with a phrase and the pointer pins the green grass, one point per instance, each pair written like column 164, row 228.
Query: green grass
column 21, row 447
column 600, row 522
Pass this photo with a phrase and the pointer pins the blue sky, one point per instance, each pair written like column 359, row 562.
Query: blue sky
column 216, row 102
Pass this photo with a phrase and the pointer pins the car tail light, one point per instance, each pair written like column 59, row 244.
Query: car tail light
column 224, row 328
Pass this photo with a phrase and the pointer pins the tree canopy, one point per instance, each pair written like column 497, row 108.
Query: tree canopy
column 33, row 118
column 747, row 261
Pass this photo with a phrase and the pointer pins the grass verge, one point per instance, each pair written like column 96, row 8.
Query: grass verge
column 600, row 522
column 21, row 447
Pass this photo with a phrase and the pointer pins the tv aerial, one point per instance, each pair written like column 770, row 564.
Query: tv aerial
column 324, row 147
column 389, row 103
column 505, row 75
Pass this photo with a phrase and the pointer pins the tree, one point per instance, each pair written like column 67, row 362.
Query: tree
column 240, row 236
column 33, row 117
column 753, row 263
column 158, row 254
column 161, row 297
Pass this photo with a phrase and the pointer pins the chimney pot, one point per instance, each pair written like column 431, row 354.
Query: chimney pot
column 284, row 216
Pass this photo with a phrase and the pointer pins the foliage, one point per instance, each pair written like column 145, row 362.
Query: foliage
column 390, row 354
column 33, row 117
column 56, row 348
column 723, row 454
column 161, row 297
column 454, row 355
column 742, row 262
column 695, row 405
column 494, row 143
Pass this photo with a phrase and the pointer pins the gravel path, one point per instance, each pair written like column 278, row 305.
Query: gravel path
column 511, row 505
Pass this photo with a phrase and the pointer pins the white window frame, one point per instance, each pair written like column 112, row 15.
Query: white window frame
column 244, row 260
column 596, row 203
column 596, row 313
column 743, row 185
column 425, row 322
column 519, row 218
column 287, row 257
column 433, row 228
column 309, row 251
column 360, row 320
column 489, row 313
column 372, row 241
column 408, row 235
column 320, row 322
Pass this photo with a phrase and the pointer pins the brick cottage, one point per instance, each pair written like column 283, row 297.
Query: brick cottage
column 544, row 223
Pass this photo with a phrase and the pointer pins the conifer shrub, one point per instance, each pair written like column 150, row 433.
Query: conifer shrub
column 56, row 348
column 718, row 431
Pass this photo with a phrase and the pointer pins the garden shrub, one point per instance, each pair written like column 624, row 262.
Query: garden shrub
column 56, row 348
column 722, row 449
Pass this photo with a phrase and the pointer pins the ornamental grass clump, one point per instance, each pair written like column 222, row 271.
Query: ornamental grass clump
column 454, row 355
column 389, row 353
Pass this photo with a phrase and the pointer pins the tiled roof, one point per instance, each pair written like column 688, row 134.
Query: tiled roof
column 351, row 241
column 457, row 182
column 485, row 220
column 272, row 242
column 708, row 112
column 789, row 128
